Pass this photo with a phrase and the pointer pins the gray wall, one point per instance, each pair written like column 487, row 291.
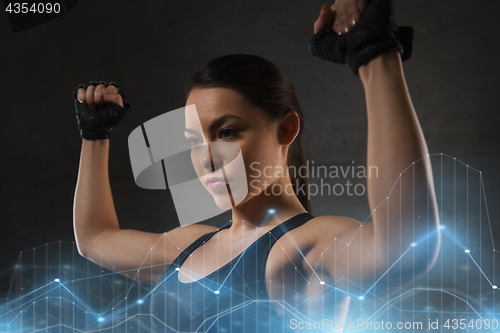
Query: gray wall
column 151, row 48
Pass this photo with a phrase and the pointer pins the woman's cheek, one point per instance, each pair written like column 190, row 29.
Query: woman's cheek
column 259, row 159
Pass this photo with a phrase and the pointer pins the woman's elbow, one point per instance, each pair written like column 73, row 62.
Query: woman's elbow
column 82, row 248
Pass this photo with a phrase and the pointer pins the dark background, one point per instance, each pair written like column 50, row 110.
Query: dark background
column 152, row 48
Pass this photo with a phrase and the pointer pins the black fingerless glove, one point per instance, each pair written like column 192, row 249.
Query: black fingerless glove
column 374, row 34
column 97, row 124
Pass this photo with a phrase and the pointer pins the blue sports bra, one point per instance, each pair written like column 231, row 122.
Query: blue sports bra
column 231, row 299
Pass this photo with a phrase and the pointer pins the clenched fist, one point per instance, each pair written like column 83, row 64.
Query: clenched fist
column 99, row 108
column 355, row 31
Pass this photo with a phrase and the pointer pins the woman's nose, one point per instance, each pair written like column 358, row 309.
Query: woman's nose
column 209, row 159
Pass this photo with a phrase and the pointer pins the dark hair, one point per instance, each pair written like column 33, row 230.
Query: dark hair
column 263, row 84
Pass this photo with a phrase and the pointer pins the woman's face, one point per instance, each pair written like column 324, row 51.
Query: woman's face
column 225, row 124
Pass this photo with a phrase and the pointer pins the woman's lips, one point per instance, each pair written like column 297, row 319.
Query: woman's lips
column 216, row 185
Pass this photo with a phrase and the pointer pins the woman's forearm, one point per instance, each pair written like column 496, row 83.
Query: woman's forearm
column 94, row 209
column 395, row 141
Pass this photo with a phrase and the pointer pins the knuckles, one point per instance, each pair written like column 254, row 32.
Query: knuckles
column 92, row 94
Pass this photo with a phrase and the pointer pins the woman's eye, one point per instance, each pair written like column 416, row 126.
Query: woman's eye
column 227, row 133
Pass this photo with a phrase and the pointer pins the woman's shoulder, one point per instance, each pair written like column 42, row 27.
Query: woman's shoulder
column 330, row 220
column 183, row 236
column 194, row 229
column 326, row 227
column 320, row 223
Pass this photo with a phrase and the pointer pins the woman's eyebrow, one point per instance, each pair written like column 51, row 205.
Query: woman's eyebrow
column 216, row 123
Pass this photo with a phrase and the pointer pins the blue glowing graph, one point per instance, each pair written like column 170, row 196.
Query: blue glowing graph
column 53, row 289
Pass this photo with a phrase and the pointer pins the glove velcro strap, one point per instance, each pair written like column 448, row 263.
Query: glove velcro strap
column 364, row 53
column 405, row 37
column 89, row 135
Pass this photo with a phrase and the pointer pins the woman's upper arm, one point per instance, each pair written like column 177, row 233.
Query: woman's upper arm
column 349, row 254
column 139, row 255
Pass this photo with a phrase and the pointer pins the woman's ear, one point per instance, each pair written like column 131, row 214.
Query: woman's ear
column 289, row 128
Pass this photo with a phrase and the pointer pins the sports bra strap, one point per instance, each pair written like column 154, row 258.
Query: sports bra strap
column 197, row 243
column 276, row 233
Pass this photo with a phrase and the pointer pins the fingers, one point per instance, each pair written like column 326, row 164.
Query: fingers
column 81, row 96
column 89, row 96
column 96, row 97
column 348, row 14
column 325, row 19
column 111, row 95
column 341, row 16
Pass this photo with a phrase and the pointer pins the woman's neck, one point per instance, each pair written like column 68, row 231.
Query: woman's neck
column 265, row 210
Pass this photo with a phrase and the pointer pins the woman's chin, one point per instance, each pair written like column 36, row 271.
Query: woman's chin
column 223, row 203
column 226, row 200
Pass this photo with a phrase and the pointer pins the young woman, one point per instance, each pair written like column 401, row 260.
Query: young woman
column 279, row 273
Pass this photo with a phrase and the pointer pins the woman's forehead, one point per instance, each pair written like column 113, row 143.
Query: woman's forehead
column 214, row 96
column 210, row 104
